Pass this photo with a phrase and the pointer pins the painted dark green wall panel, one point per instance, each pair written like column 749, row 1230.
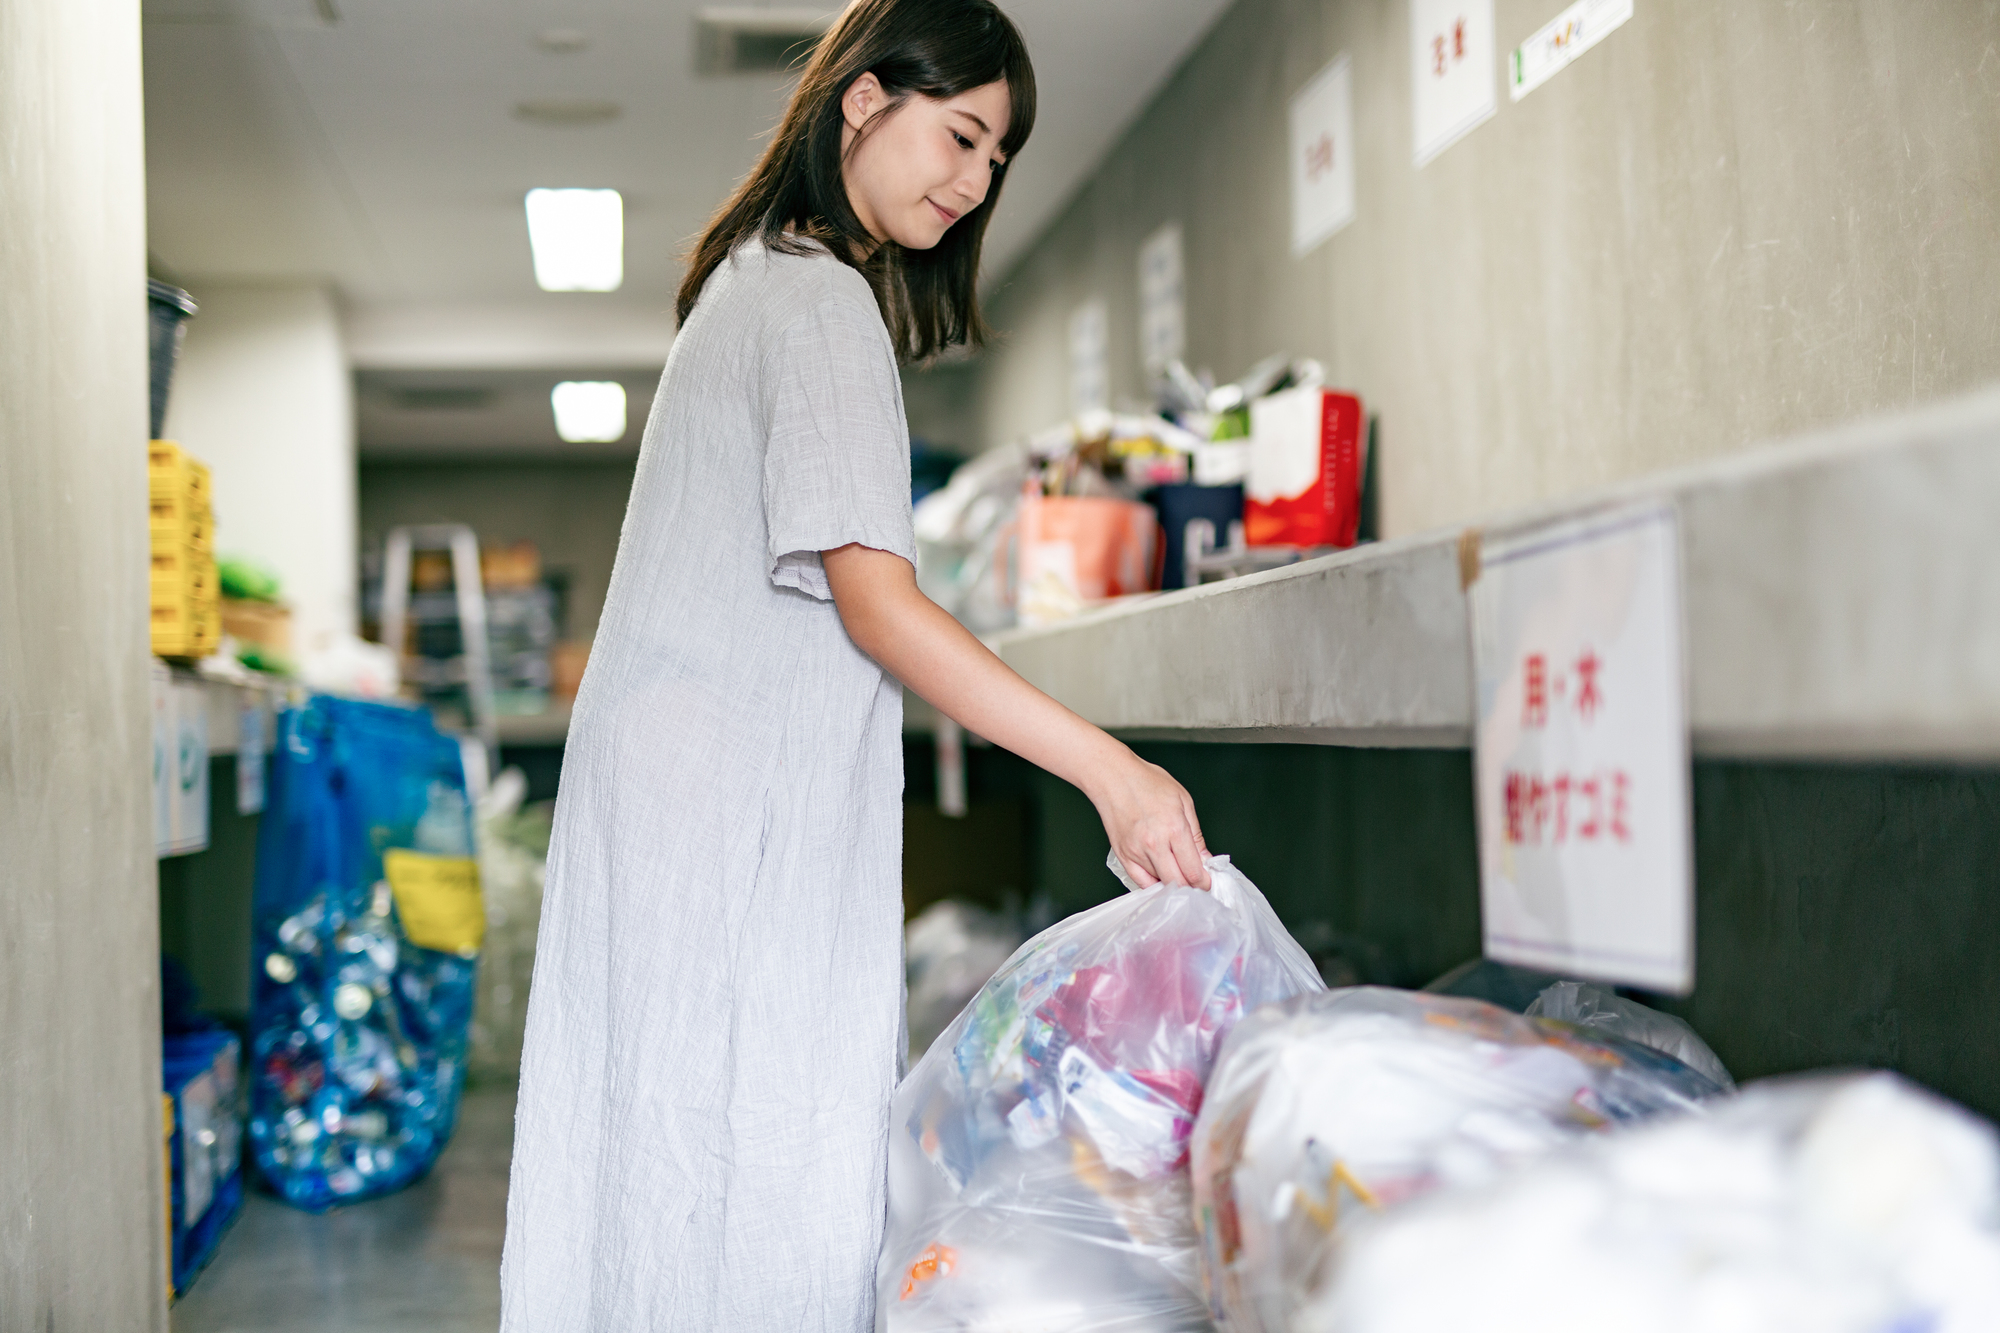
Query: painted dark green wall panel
column 1847, row 915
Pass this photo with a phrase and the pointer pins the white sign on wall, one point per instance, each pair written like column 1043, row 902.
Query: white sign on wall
column 1581, row 753
column 250, row 747
column 1564, row 38
column 1323, row 156
column 1162, row 301
column 1452, row 65
column 1089, row 357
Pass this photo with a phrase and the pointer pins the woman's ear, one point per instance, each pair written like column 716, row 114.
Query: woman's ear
column 863, row 98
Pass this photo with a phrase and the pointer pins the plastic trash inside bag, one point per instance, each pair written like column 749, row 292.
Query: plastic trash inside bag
column 1604, row 1011
column 950, row 950
column 367, row 922
column 1329, row 1109
column 1037, row 1170
column 1833, row 1204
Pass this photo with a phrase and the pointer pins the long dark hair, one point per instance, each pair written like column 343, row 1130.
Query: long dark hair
column 935, row 48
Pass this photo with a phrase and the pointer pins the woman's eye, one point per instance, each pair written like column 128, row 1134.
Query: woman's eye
column 963, row 142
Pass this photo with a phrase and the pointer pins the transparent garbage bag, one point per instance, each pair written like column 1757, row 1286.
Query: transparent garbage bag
column 1849, row 1203
column 1605, row 1011
column 1330, row 1108
column 950, row 950
column 358, row 1034
column 1037, row 1168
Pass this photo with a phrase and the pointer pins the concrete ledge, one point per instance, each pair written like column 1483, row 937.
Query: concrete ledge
column 1842, row 595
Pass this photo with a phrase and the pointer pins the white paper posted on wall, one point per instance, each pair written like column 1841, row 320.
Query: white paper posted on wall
column 1581, row 750
column 1564, row 38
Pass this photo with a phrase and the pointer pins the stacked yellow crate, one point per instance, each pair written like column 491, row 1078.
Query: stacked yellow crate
column 187, row 608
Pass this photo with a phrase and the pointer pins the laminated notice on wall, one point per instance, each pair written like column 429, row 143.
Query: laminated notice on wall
column 438, row 900
column 1451, row 71
column 1581, row 751
column 1564, row 38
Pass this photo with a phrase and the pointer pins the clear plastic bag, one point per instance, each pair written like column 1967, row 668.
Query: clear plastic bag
column 950, row 950
column 1604, row 1011
column 1037, row 1172
column 1330, row 1108
column 1832, row 1204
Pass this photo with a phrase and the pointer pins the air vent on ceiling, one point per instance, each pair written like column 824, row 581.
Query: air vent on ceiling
column 439, row 397
column 757, row 41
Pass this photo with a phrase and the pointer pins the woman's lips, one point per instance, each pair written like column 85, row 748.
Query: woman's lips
column 942, row 211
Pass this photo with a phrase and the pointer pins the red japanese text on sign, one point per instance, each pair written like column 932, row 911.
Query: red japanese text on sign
column 1559, row 809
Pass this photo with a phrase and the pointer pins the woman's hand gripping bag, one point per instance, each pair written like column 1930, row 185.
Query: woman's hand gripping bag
column 1038, row 1151
column 1330, row 1109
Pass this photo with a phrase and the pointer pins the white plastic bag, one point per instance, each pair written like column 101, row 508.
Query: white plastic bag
column 1037, row 1172
column 1835, row 1204
column 1601, row 1010
column 1331, row 1108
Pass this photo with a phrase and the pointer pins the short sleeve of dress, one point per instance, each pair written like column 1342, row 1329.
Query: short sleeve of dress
column 837, row 464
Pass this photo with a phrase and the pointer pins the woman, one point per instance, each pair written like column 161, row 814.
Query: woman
column 715, row 1028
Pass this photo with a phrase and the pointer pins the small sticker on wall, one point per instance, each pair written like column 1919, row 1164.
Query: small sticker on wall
column 1451, row 71
column 1567, row 36
column 1323, row 156
column 1162, row 301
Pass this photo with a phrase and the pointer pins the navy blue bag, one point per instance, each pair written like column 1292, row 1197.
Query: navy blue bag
column 357, row 1035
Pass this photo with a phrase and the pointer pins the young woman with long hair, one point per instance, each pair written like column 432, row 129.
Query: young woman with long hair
column 715, row 1026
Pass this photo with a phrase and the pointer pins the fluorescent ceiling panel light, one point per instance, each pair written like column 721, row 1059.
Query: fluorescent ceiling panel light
column 578, row 239
column 589, row 411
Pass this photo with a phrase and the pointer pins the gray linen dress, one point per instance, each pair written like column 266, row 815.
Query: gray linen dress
column 714, row 1027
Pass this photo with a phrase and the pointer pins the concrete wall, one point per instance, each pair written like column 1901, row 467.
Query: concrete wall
column 81, row 1234
column 1726, row 223
column 265, row 398
column 571, row 511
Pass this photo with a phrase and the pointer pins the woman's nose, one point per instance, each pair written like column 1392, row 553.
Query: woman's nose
column 972, row 186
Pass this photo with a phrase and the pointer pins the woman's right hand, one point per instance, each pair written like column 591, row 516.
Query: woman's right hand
column 1151, row 821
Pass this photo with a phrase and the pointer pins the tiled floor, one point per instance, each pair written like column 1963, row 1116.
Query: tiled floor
column 423, row 1261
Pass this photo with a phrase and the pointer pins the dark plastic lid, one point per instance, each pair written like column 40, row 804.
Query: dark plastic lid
column 167, row 294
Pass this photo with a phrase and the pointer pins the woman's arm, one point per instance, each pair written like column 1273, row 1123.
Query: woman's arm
column 1149, row 816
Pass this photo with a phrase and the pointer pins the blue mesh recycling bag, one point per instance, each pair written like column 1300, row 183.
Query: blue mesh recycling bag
column 366, row 934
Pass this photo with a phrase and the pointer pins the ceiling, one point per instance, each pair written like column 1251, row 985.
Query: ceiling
column 373, row 145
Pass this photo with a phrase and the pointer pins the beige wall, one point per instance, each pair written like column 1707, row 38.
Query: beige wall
column 264, row 396
column 1725, row 223
column 80, row 1184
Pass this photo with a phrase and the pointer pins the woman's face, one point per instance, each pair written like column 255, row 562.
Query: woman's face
column 923, row 165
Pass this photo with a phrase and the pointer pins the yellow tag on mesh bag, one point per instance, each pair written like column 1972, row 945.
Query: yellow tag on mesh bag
column 438, row 899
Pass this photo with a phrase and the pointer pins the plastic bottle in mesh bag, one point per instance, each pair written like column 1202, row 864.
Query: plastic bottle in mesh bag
column 1037, row 1173
column 358, row 1031
column 1828, row 1204
column 1331, row 1108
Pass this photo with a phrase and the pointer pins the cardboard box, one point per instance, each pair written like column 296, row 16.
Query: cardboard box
column 265, row 625
column 1306, row 464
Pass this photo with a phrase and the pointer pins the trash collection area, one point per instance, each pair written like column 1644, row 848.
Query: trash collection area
column 1505, row 489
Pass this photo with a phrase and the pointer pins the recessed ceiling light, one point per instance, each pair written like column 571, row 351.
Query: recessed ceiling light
column 578, row 239
column 562, row 41
column 589, row 411
column 567, row 112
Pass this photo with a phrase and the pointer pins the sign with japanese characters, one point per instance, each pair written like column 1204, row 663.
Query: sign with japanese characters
column 1452, row 68
column 1162, row 301
column 1323, row 156
column 1561, row 40
column 1581, row 752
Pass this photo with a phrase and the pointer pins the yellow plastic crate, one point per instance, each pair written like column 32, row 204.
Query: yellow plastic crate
column 183, row 627
column 176, row 523
column 171, row 470
column 183, row 571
